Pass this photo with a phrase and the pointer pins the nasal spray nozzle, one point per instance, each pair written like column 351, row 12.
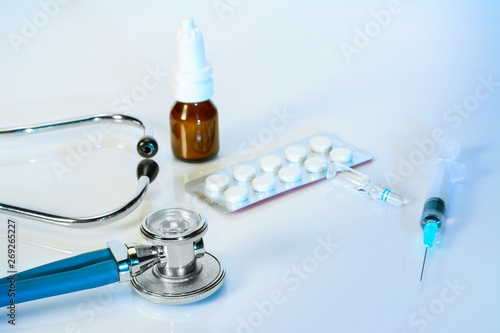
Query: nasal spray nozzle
column 192, row 73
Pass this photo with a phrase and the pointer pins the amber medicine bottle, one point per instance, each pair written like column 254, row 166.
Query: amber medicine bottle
column 193, row 119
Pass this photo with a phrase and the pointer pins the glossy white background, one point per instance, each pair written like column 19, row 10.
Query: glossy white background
column 269, row 58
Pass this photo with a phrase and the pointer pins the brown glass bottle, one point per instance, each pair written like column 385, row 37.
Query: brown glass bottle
column 194, row 131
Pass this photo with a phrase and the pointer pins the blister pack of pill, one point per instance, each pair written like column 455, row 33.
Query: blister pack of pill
column 284, row 169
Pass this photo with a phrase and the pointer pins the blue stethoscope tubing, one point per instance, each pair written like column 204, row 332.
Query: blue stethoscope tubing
column 85, row 271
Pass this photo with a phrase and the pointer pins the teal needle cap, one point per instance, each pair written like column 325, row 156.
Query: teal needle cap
column 430, row 230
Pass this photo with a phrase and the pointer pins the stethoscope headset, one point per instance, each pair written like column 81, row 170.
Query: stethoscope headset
column 147, row 170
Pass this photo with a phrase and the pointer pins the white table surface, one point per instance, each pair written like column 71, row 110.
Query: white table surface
column 385, row 95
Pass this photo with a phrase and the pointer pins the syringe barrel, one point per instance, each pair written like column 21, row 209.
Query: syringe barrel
column 434, row 211
column 439, row 186
column 437, row 195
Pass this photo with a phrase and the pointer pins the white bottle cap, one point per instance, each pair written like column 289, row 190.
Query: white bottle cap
column 191, row 74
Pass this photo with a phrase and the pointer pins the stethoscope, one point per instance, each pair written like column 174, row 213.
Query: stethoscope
column 174, row 270
column 147, row 170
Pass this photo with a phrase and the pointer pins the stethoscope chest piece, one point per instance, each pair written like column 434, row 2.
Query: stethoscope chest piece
column 186, row 273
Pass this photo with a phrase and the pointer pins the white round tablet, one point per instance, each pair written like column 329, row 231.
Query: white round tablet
column 244, row 173
column 316, row 164
column 321, row 144
column 236, row 194
column 270, row 163
column 290, row 174
column 341, row 155
column 216, row 183
column 263, row 184
column 295, row 154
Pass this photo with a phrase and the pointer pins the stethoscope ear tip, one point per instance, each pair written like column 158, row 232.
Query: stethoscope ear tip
column 147, row 147
column 148, row 168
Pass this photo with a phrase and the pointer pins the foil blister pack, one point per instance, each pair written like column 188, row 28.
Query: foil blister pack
column 283, row 169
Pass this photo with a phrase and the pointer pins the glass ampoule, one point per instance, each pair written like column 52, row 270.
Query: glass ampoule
column 345, row 176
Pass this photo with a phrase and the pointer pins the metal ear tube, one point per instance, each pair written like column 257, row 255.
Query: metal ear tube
column 147, row 170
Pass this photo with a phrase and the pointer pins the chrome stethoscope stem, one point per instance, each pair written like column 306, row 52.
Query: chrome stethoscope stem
column 175, row 269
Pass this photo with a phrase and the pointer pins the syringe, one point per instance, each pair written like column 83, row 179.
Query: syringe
column 444, row 173
column 357, row 181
